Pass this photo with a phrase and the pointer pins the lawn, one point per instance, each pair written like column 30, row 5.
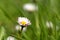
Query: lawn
column 45, row 20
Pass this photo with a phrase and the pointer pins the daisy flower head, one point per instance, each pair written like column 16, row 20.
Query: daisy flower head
column 30, row 7
column 23, row 21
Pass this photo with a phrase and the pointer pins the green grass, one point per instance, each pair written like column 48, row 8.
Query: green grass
column 48, row 10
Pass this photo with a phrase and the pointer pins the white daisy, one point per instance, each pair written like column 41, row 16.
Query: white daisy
column 10, row 38
column 18, row 27
column 49, row 24
column 30, row 7
column 23, row 21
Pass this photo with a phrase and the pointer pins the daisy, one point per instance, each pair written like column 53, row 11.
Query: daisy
column 23, row 21
column 30, row 7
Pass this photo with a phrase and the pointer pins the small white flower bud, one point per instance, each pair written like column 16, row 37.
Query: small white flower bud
column 18, row 27
column 30, row 7
column 10, row 38
column 49, row 24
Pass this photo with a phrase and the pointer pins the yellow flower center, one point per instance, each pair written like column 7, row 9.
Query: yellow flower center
column 23, row 22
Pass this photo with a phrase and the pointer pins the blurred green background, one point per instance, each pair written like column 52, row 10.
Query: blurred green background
column 48, row 10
